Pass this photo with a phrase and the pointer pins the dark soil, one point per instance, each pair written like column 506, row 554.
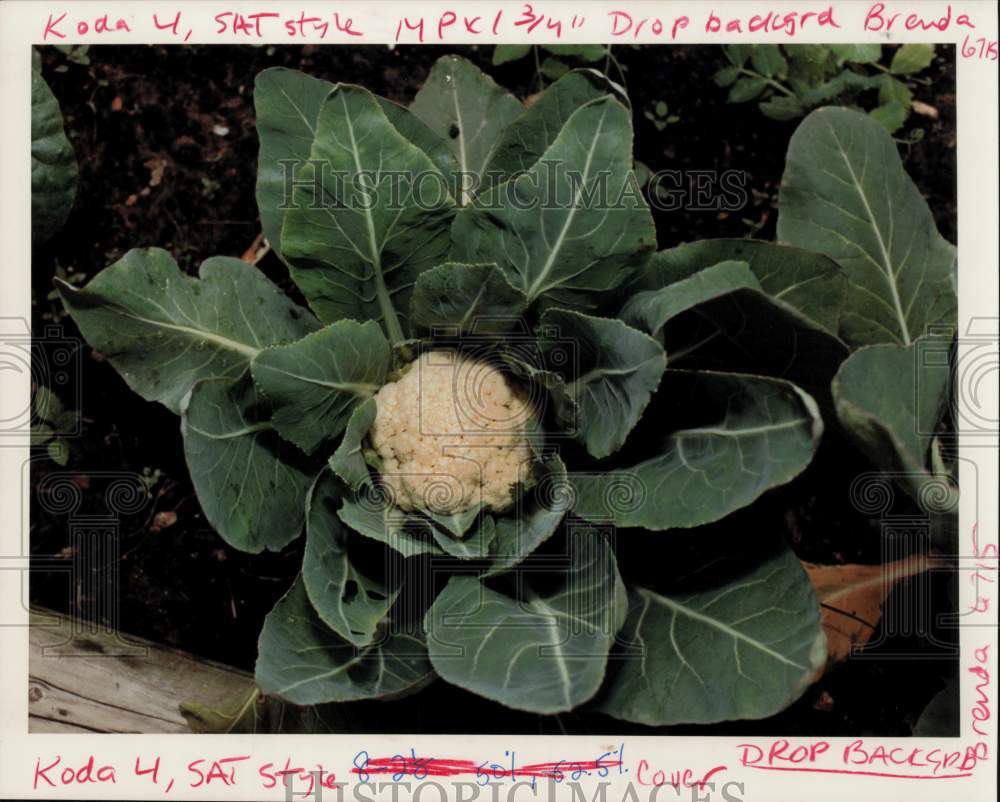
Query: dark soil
column 167, row 150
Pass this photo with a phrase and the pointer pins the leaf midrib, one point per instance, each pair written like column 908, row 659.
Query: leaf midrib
column 462, row 157
column 886, row 259
column 232, row 435
column 393, row 329
column 223, row 342
column 747, row 431
column 677, row 607
column 361, row 389
column 537, row 286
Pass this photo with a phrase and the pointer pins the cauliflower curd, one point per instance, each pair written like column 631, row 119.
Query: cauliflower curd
column 451, row 434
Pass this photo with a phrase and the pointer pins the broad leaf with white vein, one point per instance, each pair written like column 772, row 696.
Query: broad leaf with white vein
column 543, row 650
column 251, row 484
column 514, row 240
column 891, row 399
column 467, row 109
column 741, row 649
column 721, row 317
column 572, row 227
column 612, row 372
column 315, row 383
column 304, row 662
column 453, row 299
column 288, row 103
column 356, row 234
column 737, row 437
column 164, row 330
column 845, row 194
column 351, row 601
column 812, row 284
column 523, row 142
column 539, row 515
column 370, row 514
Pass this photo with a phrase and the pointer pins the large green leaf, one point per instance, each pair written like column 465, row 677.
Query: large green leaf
column 348, row 461
column 890, row 401
column 845, row 194
column 615, row 371
column 544, row 651
column 470, row 545
column 163, row 330
column 730, row 438
column 651, row 310
column 315, row 383
column 458, row 299
column 349, row 600
column 356, row 235
column 522, row 143
column 574, row 226
column 370, row 514
column 251, row 484
column 722, row 319
column 534, row 519
column 421, row 135
column 742, row 648
column 809, row 282
column 287, row 103
column 53, row 163
column 304, row 662
column 466, row 108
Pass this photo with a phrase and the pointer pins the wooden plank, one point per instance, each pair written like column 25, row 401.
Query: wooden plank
column 95, row 681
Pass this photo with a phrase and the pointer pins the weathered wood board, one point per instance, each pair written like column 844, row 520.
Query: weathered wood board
column 85, row 680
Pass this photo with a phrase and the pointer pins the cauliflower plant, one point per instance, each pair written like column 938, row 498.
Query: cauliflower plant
column 286, row 412
column 451, row 434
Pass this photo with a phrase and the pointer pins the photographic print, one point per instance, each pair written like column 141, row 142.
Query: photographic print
column 604, row 395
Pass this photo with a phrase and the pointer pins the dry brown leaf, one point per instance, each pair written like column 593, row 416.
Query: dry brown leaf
column 156, row 167
column 852, row 597
column 256, row 251
column 163, row 520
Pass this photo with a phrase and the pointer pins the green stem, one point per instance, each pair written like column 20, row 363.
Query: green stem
column 768, row 81
column 538, row 69
column 621, row 72
column 392, row 327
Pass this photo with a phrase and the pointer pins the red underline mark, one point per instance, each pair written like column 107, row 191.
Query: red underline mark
column 451, row 768
column 865, row 773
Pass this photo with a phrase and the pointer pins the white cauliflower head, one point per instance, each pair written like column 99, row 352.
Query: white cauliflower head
column 452, row 433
